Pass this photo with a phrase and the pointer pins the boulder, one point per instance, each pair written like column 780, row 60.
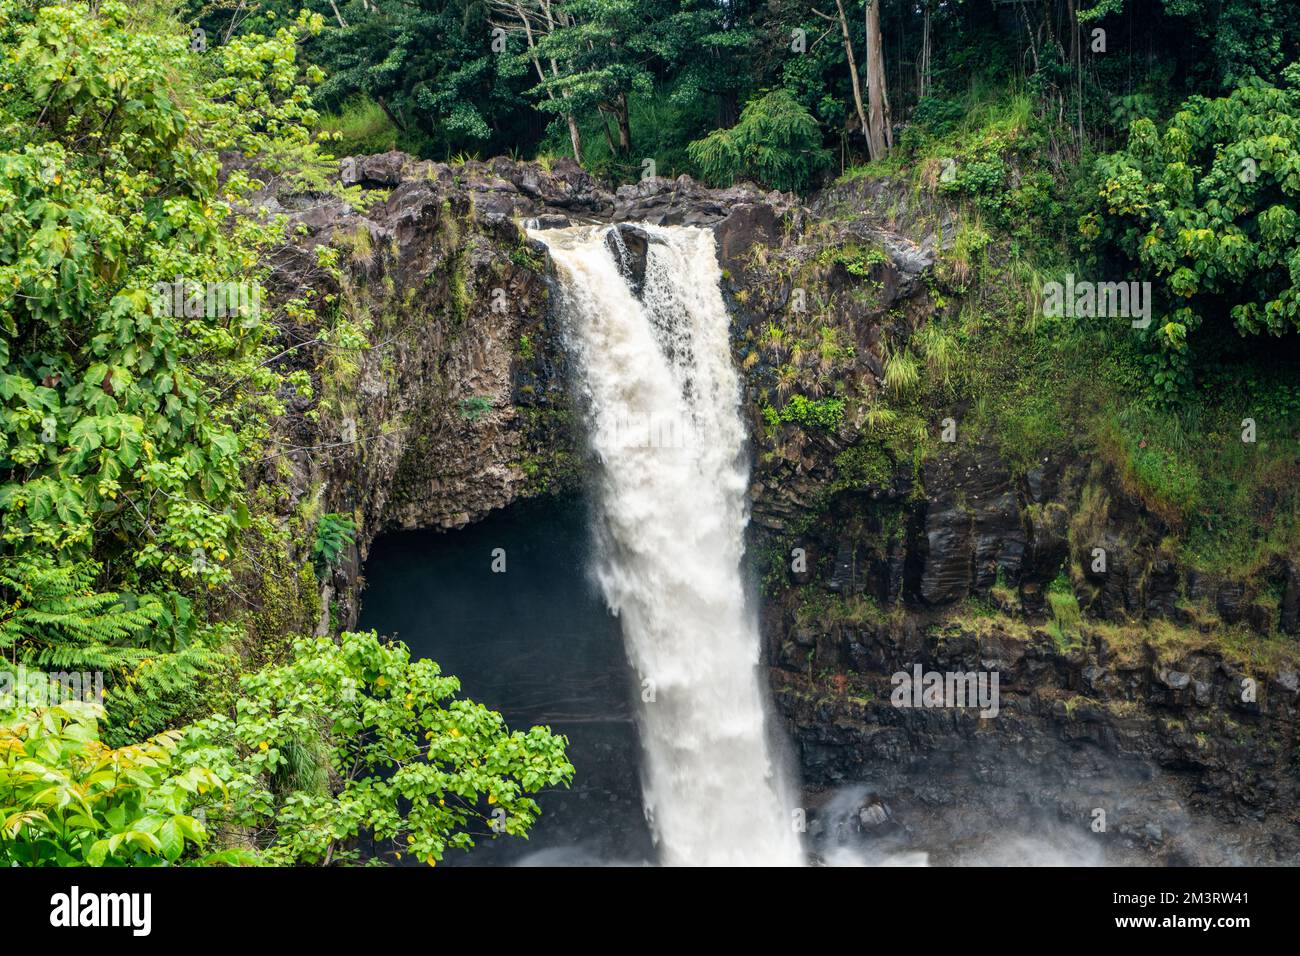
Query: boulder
column 380, row 170
column 630, row 247
column 1289, row 612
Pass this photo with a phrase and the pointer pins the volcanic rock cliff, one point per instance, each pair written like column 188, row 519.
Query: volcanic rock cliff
column 876, row 556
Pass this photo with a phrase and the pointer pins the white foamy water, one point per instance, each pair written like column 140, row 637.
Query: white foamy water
column 663, row 402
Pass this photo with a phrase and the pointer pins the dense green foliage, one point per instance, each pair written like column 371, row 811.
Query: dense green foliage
column 132, row 399
column 143, row 381
column 139, row 386
column 426, row 68
column 403, row 758
column 333, row 534
column 643, row 80
column 68, row 800
column 776, row 142
column 1209, row 205
column 825, row 413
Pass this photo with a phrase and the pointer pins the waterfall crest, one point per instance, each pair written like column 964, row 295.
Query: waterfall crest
column 663, row 408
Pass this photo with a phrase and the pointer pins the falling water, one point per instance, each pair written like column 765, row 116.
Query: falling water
column 663, row 403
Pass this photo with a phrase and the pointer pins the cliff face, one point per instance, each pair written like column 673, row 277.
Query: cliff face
column 460, row 405
column 1133, row 685
column 909, row 550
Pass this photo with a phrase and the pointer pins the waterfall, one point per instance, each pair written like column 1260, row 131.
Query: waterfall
column 663, row 408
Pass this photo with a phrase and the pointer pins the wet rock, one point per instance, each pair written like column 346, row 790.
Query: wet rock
column 1260, row 616
column 847, row 575
column 1175, row 680
column 1115, row 591
column 679, row 202
column 999, row 540
column 565, row 185
column 1200, row 585
column 1230, row 602
column 1046, row 550
column 1042, row 481
column 973, row 528
column 910, row 260
column 947, row 559
column 630, row 247
column 1162, row 589
column 1093, row 678
column 1151, row 732
column 747, row 225
column 875, row 819
column 551, row 221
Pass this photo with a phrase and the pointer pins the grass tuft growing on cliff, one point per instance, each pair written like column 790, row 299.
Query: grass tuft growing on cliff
column 1066, row 616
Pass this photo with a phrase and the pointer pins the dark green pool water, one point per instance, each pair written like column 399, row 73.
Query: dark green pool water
column 537, row 644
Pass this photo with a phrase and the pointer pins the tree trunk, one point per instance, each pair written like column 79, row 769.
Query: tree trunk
column 234, row 22
column 609, row 137
column 880, row 137
column 525, row 23
column 728, row 109
column 1029, row 31
column 1076, row 59
column 624, row 126
column 923, row 79
column 853, row 69
column 390, row 114
column 574, row 137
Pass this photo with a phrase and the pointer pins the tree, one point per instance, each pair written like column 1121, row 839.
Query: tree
column 874, row 119
column 401, row 757
column 1230, row 40
column 603, row 52
column 923, row 69
column 707, row 51
column 879, row 129
column 118, row 419
column 1208, row 209
column 431, row 66
column 135, row 384
column 535, row 20
column 843, row 22
column 345, row 741
column 777, row 143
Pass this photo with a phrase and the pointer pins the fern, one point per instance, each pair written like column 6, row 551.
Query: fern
column 162, row 691
column 154, row 659
column 51, row 615
column 776, row 143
